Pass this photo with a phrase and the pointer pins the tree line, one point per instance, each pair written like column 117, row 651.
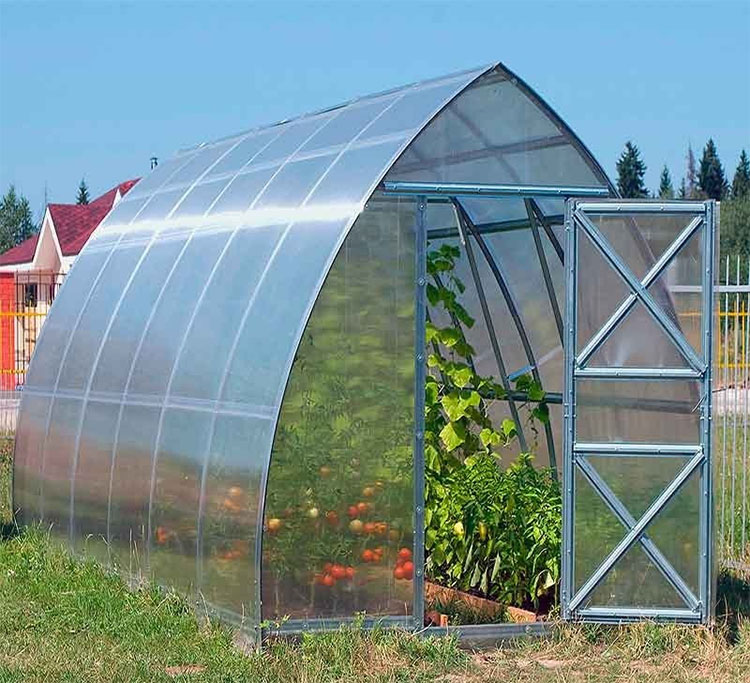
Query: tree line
column 704, row 180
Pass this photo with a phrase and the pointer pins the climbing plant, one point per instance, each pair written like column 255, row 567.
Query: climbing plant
column 491, row 528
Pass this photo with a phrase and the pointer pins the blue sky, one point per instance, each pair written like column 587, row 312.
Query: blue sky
column 95, row 88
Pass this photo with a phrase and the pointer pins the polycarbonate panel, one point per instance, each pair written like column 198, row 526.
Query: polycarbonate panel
column 635, row 581
column 119, row 348
column 176, row 488
column 90, row 495
column 638, row 411
column 50, row 347
column 27, row 459
column 57, row 461
column 170, row 319
column 129, row 488
column 232, row 499
column 87, row 337
column 640, row 240
column 345, row 434
column 496, row 133
column 197, row 373
column 597, row 531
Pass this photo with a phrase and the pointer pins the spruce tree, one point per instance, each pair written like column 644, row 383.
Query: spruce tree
column 83, row 193
column 666, row 191
column 711, row 179
column 691, row 182
column 741, row 181
column 682, row 192
column 630, row 172
column 16, row 221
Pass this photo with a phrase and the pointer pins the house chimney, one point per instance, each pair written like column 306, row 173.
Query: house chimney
column 154, row 163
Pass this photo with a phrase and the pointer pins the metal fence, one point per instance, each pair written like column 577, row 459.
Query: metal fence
column 732, row 405
column 25, row 300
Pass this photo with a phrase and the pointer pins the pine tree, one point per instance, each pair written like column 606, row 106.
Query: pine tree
column 83, row 193
column 682, row 193
column 691, row 184
column 666, row 191
column 16, row 221
column 711, row 179
column 630, row 172
column 741, row 181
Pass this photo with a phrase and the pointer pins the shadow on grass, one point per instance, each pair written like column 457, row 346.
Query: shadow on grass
column 733, row 599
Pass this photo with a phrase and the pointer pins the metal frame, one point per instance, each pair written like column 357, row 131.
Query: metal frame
column 420, row 374
column 574, row 603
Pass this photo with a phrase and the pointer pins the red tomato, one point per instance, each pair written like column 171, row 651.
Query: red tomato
column 362, row 507
column 404, row 554
column 369, row 528
column 398, row 572
column 328, row 580
column 368, row 555
column 352, row 511
column 338, row 572
column 332, row 518
column 408, row 569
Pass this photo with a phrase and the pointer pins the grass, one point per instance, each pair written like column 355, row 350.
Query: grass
column 732, row 492
column 63, row 619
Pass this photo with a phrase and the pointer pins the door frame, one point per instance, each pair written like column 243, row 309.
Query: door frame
column 699, row 609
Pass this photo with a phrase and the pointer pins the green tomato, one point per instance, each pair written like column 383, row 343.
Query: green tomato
column 458, row 529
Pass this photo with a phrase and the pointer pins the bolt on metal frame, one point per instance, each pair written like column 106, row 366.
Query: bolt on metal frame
column 698, row 608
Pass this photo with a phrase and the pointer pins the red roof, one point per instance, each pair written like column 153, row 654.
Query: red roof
column 73, row 224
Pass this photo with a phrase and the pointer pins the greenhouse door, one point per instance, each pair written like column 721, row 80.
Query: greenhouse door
column 637, row 541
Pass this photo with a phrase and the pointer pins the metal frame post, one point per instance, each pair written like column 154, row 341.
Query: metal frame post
column 420, row 371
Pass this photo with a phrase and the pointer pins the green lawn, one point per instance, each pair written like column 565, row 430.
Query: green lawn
column 66, row 620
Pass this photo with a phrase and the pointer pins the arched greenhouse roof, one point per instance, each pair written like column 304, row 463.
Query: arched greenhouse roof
column 155, row 393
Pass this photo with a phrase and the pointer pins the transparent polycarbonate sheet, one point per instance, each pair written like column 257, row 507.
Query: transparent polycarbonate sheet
column 91, row 483
column 27, row 461
column 496, row 133
column 242, row 265
column 597, row 531
column 84, row 346
column 129, row 488
column 120, row 345
column 638, row 411
column 176, row 490
column 635, row 580
column 231, row 503
column 59, row 447
column 171, row 317
column 345, row 434
column 640, row 240
column 50, row 347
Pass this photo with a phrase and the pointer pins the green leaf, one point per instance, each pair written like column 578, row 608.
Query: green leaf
column 433, row 294
column 461, row 375
column 430, row 332
column 476, row 575
column 508, row 427
column 489, row 437
column 453, row 435
column 496, row 568
column 449, row 336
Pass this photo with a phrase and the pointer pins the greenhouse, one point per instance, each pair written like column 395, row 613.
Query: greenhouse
column 282, row 349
